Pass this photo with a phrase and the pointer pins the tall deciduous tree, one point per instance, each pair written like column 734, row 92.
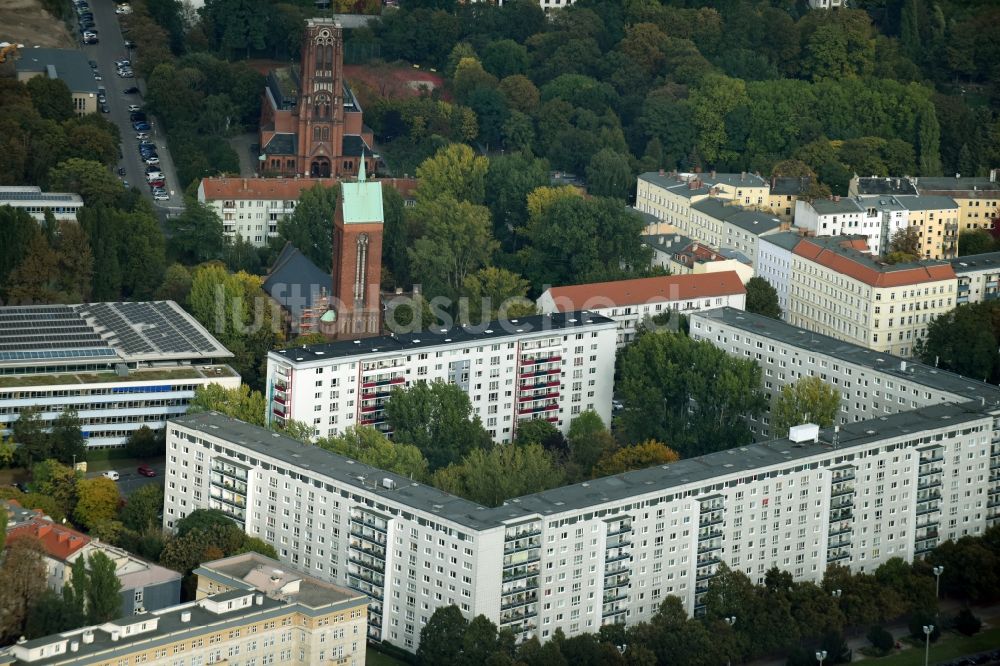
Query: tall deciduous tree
column 240, row 402
column 98, row 501
column 90, row 179
column 589, row 441
column 637, row 456
column 492, row 476
column 22, row 579
column 368, row 445
column 808, row 400
column 104, row 600
column 609, row 174
column 143, row 508
column 688, row 393
column 762, row 298
column 456, row 171
column 438, row 419
column 195, row 234
column 310, row 227
column 496, row 293
column 441, row 639
column 17, row 229
column 29, row 433
column 963, row 340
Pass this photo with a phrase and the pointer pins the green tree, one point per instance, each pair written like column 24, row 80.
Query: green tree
column 455, row 243
column 145, row 443
column 48, row 613
column 33, row 442
column 975, row 241
column 454, row 171
column 104, row 601
column 470, row 77
column 202, row 520
column 609, row 174
column 491, row 476
column 176, row 284
column 543, row 433
column 240, row 402
column 395, row 237
column 67, row 439
column 880, row 639
column 711, row 101
column 520, row 92
column 688, row 393
column 98, row 501
column 762, row 298
column 505, row 57
column 36, row 278
column 636, row 456
column 966, row 623
column 195, row 235
column 509, row 181
column 17, row 229
column 438, row 419
column 142, row 511
column 22, row 579
column 589, row 441
column 91, row 180
column 56, row 481
column 51, row 97
column 308, row 228
column 963, row 341
column 442, row 638
column 496, row 293
column 368, row 445
column 808, row 400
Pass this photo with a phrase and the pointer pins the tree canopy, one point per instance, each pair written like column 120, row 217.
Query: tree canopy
column 808, row 400
column 762, row 298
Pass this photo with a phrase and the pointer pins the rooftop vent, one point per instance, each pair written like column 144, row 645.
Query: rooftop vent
column 804, row 433
column 186, row 616
column 259, row 599
column 88, row 637
column 388, row 483
column 74, row 646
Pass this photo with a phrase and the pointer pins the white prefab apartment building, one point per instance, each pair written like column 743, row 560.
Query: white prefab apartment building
column 872, row 384
column 119, row 365
column 32, row 200
column 978, row 276
column 541, row 367
column 633, row 303
column 607, row 550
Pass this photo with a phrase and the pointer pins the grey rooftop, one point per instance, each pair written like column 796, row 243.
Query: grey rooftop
column 973, row 263
column 559, row 321
column 915, row 372
column 783, row 239
column 69, row 66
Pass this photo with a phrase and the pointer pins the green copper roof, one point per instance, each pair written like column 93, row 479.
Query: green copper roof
column 362, row 200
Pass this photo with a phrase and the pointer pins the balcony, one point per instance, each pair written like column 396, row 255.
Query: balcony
column 837, row 531
column 510, row 547
column 518, row 601
column 708, row 547
column 364, row 546
column 538, row 360
column 537, row 385
column 841, row 502
column 384, row 381
column 617, row 558
column 935, row 458
column 709, row 534
column 616, row 581
column 709, row 560
column 519, row 572
column 838, row 556
column 371, row 536
column 841, row 491
column 368, row 576
column 929, row 483
column 523, row 534
column 368, row 563
column 368, row 522
column 708, row 521
column 536, row 410
column 547, row 396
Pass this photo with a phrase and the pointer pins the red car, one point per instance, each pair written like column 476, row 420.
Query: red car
column 146, row 470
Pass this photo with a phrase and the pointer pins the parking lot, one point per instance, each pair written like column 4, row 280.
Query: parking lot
column 110, row 48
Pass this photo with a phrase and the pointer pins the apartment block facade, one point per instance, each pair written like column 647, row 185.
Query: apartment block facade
column 669, row 196
column 262, row 615
column 545, row 366
column 730, row 226
column 774, row 263
column 977, row 276
column 839, row 289
column 872, row 384
column 633, row 303
column 31, row 199
column 604, row 551
column 119, row 365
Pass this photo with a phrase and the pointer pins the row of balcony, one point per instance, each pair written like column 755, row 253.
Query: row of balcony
column 538, row 360
column 536, row 410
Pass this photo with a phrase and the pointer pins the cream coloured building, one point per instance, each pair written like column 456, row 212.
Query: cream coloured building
column 668, row 196
column 937, row 219
column 729, row 226
column 839, row 289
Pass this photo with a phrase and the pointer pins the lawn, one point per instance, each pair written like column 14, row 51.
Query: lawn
column 376, row 658
column 949, row 647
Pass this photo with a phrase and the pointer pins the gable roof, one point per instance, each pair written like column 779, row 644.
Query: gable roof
column 646, row 290
column 59, row 541
column 848, row 255
column 790, row 185
column 295, row 281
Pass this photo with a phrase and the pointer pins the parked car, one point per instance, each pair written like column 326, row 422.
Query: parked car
column 153, row 160
column 111, row 474
column 134, row 108
column 129, row 44
column 91, row 40
column 126, row 74
column 141, row 126
column 146, row 470
column 131, row 91
column 93, row 64
column 105, row 108
column 121, row 171
column 161, row 196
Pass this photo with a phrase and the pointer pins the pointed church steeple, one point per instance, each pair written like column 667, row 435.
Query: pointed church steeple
column 361, row 170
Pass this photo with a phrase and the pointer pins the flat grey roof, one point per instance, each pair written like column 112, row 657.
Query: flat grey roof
column 966, row 184
column 926, row 202
column 71, row 66
column 749, row 220
column 915, row 373
column 885, row 185
column 971, row 263
column 557, row 321
column 783, row 239
column 836, row 206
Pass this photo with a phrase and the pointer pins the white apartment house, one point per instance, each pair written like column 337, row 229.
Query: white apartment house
column 32, row 200
column 251, row 208
column 872, row 384
column 839, row 289
column 727, row 226
column 119, row 365
column 844, row 216
column 551, row 367
column 605, row 551
column 634, row 303
column 977, row 276
column 669, row 196
column 774, row 263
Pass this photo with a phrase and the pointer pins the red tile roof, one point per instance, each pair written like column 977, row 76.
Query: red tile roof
column 646, row 290
column 848, row 258
column 58, row 540
column 287, row 189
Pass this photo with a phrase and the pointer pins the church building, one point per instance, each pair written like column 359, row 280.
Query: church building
column 311, row 123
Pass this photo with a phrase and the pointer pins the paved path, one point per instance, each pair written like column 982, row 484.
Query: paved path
column 242, row 143
column 130, row 480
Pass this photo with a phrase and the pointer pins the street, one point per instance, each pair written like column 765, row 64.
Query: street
column 110, row 48
column 130, row 479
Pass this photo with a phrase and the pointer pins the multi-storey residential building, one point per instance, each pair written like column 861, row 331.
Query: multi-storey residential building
column 119, row 365
column 937, row 219
column 783, row 194
column 266, row 615
column 32, row 200
column 838, row 288
column 729, row 226
column 144, row 585
column 683, row 256
column 668, row 196
column 544, row 366
column 977, row 276
column 872, row 384
column 251, row 208
column 607, row 550
column 841, row 216
column 634, row 303
column 978, row 198
column 774, row 263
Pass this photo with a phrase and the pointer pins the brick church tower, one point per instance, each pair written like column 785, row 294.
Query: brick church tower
column 357, row 261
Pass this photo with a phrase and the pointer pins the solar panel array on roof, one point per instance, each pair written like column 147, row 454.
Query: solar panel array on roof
column 47, row 332
column 149, row 328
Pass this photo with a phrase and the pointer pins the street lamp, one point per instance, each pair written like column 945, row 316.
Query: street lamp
column 938, row 570
column 836, row 593
column 820, row 656
column 928, row 630
column 622, row 648
column 731, row 620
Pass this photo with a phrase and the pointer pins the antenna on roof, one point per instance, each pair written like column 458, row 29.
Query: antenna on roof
column 836, row 436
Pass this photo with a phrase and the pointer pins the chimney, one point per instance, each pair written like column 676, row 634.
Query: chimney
column 662, row 172
column 185, row 616
column 259, row 599
column 713, row 174
column 245, row 188
column 88, row 637
column 993, row 175
column 74, row 646
column 836, row 197
column 743, row 176
column 957, row 176
column 115, row 636
column 773, row 182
